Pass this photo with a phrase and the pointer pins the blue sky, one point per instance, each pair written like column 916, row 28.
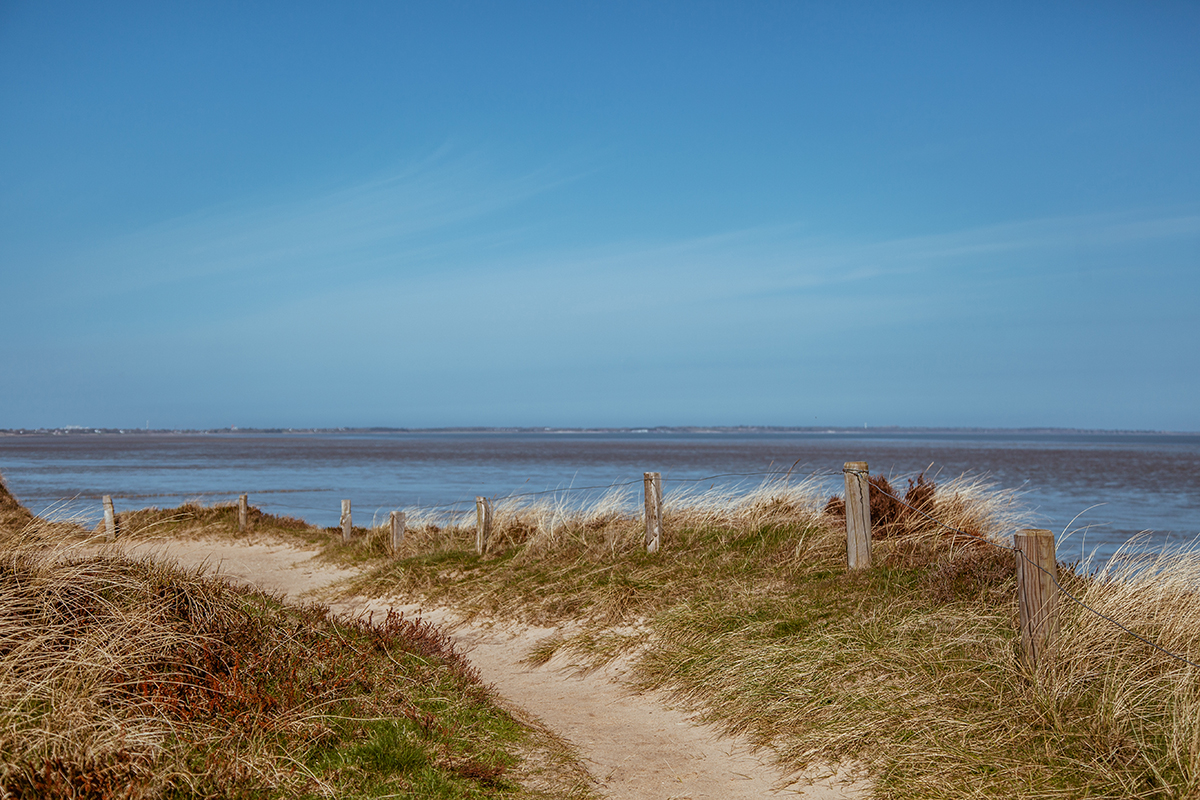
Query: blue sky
column 600, row 214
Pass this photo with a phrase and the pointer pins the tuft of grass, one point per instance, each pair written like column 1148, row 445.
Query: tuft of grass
column 544, row 650
column 125, row 678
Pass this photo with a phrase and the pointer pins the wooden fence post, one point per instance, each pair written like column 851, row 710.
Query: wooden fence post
column 347, row 523
column 653, row 491
column 243, row 513
column 397, row 521
column 1037, row 595
column 858, row 515
column 110, row 519
column 483, row 524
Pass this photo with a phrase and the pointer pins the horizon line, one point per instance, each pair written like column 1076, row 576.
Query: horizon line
column 538, row 429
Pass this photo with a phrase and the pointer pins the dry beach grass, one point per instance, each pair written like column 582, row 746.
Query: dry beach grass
column 907, row 673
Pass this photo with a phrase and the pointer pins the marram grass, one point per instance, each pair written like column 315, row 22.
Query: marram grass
column 908, row 674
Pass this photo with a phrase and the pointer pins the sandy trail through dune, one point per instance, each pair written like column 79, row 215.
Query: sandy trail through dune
column 636, row 746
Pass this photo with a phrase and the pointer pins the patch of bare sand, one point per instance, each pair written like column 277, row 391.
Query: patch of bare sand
column 276, row 567
column 636, row 745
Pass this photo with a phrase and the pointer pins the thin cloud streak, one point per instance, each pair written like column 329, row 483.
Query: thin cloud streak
column 393, row 216
column 766, row 260
column 416, row 227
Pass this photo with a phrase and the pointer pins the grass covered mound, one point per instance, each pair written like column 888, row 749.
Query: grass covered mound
column 124, row 678
column 193, row 520
column 909, row 671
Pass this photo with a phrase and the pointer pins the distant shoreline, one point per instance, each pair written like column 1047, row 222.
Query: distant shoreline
column 661, row 429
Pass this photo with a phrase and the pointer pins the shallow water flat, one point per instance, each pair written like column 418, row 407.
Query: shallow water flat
column 1118, row 484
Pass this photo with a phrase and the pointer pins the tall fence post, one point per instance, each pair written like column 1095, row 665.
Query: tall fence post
column 347, row 523
column 858, row 515
column 110, row 519
column 483, row 524
column 1037, row 595
column 397, row 521
column 243, row 513
column 653, row 490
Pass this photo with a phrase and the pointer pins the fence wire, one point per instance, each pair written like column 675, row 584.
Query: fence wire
column 1053, row 575
column 193, row 494
column 453, row 504
column 465, row 504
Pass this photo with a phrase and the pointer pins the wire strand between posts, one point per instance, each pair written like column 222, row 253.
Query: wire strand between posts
column 1053, row 576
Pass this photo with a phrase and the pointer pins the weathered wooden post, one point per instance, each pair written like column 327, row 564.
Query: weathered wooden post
column 243, row 513
column 653, row 492
column 858, row 515
column 483, row 524
column 397, row 522
column 1037, row 595
column 110, row 519
column 347, row 523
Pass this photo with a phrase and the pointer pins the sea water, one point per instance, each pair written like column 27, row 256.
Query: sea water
column 1094, row 490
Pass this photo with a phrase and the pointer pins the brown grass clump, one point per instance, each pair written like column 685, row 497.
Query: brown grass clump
column 970, row 505
column 893, row 514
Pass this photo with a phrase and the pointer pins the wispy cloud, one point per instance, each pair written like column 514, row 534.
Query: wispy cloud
column 791, row 258
column 409, row 214
column 415, row 228
column 785, row 258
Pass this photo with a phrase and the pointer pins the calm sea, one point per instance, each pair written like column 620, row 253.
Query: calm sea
column 1099, row 488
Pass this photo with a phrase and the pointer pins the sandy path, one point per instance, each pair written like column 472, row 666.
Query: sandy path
column 274, row 566
column 636, row 746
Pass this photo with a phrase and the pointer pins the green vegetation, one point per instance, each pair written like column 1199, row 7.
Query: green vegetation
column 127, row 678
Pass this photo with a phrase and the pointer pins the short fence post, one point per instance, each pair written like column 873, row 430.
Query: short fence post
column 397, row 521
column 1037, row 595
column 483, row 524
column 858, row 515
column 110, row 519
column 653, row 491
column 243, row 513
column 347, row 523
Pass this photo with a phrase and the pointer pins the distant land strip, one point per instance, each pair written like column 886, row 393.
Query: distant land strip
column 77, row 430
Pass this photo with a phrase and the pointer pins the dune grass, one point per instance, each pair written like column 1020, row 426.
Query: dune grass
column 126, row 678
column 908, row 672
